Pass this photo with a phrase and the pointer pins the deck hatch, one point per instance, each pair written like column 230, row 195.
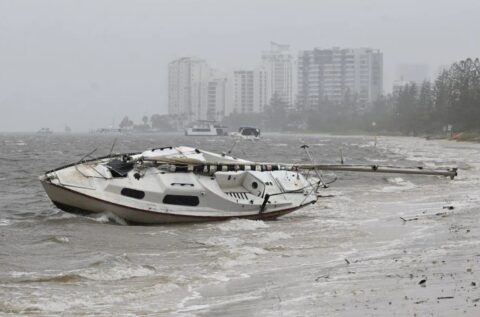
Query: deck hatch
column 181, row 200
column 119, row 168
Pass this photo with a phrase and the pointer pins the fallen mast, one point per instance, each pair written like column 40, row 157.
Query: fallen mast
column 210, row 168
column 419, row 170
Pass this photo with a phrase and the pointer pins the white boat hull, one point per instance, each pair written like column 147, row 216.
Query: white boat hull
column 74, row 202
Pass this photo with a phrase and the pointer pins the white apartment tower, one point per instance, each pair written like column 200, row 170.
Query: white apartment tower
column 195, row 91
column 243, row 91
column 216, row 99
column 332, row 73
column 278, row 63
column 249, row 90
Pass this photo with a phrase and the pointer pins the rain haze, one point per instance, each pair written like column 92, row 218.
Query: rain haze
column 87, row 64
column 239, row 158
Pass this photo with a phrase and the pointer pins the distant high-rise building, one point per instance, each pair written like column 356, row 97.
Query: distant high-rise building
column 195, row 91
column 249, row 90
column 332, row 73
column 216, row 99
column 243, row 91
column 278, row 64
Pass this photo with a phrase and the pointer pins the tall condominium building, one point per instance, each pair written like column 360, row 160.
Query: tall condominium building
column 243, row 91
column 278, row 63
column 332, row 73
column 195, row 91
column 249, row 89
column 217, row 99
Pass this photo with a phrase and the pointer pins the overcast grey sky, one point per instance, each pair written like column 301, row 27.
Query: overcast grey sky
column 87, row 63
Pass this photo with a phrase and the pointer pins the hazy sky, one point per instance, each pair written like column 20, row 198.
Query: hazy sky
column 87, row 63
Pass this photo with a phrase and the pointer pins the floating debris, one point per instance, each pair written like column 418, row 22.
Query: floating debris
column 320, row 277
column 409, row 219
column 445, row 297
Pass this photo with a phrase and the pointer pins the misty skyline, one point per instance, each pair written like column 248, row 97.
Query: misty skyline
column 87, row 64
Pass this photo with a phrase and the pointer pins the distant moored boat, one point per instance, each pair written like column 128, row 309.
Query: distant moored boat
column 206, row 128
column 44, row 131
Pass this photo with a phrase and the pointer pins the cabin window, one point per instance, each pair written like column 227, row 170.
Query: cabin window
column 181, row 200
column 133, row 193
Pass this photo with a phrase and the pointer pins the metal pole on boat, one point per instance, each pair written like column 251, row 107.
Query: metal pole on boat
column 87, row 155
column 113, row 145
column 233, row 146
column 305, row 147
column 451, row 172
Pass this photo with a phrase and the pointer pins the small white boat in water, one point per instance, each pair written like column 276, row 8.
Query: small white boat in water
column 206, row 128
column 184, row 184
column 45, row 131
column 247, row 133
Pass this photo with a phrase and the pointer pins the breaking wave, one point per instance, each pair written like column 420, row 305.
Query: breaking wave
column 107, row 217
column 113, row 269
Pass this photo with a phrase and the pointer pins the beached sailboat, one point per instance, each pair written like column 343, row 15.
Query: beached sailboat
column 184, row 184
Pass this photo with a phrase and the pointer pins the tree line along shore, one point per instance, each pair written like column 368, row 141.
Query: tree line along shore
column 448, row 106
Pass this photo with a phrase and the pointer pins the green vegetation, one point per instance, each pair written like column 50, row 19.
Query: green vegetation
column 453, row 99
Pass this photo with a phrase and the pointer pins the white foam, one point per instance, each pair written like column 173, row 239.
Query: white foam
column 5, row 222
column 193, row 295
column 17, row 274
column 274, row 236
column 106, row 217
column 218, row 277
column 63, row 239
column 401, row 185
column 115, row 273
column 241, row 256
column 219, row 241
column 118, row 269
column 242, row 224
